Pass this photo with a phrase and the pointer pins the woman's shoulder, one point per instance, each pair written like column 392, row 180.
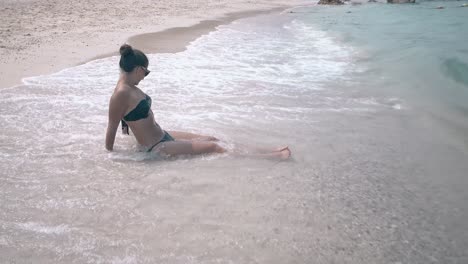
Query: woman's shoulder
column 123, row 88
column 121, row 91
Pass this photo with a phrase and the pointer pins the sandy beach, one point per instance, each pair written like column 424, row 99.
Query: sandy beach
column 43, row 36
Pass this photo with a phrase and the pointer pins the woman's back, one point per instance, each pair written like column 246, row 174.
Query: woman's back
column 138, row 115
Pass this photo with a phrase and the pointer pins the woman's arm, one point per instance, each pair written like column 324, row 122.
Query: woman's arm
column 117, row 108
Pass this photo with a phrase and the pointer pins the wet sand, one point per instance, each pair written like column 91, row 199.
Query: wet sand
column 40, row 37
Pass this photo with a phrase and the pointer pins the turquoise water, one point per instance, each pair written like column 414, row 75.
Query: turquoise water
column 418, row 54
column 415, row 51
column 372, row 104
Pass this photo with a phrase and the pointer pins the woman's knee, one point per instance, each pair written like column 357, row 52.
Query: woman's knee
column 219, row 149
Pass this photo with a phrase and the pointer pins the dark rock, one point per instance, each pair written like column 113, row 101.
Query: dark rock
column 401, row 1
column 330, row 2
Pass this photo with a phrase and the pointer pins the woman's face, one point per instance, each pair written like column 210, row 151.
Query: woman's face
column 141, row 73
column 145, row 71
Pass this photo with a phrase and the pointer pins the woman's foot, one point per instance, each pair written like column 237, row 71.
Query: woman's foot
column 283, row 153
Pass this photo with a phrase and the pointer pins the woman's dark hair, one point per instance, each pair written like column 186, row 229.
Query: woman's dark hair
column 131, row 58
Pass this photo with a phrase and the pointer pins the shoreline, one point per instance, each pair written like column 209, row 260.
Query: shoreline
column 46, row 56
column 176, row 39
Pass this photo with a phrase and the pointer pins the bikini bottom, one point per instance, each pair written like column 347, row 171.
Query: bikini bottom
column 166, row 138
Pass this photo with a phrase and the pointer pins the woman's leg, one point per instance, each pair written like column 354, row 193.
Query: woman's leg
column 178, row 135
column 174, row 148
column 283, row 153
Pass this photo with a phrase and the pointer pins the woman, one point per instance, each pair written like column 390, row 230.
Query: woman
column 132, row 107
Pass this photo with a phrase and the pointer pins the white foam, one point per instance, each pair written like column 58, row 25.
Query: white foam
column 397, row 107
column 41, row 228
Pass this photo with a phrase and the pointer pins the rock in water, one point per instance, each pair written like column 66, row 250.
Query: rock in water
column 401, row 1
column 330, row 2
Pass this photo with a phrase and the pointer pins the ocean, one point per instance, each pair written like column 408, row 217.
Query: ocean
column 371, row 99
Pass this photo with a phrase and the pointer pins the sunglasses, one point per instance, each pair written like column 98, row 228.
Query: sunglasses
column 146, row 70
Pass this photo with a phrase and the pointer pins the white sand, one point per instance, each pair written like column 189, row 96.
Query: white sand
column 43, row 36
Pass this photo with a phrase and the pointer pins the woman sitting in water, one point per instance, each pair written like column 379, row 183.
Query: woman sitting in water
column 132, row 107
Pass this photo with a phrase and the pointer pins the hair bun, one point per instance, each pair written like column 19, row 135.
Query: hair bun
column 126, row 50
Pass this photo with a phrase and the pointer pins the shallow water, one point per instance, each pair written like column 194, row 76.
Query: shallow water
column 378, row 173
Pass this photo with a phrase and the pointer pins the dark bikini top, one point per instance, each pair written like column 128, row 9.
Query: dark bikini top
column 141, row 111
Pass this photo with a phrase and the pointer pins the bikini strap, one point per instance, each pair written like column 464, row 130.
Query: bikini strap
column 125, row 128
